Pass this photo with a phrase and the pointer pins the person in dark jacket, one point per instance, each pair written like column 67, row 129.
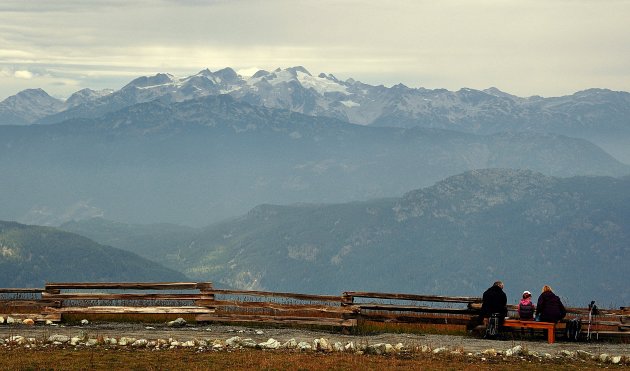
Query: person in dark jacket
column 494, row 301
column 549, row 307
column 526, row 308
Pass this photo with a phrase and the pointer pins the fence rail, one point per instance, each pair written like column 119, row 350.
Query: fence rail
column 207, row 304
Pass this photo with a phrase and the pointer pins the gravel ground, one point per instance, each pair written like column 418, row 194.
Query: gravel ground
column 157, row 331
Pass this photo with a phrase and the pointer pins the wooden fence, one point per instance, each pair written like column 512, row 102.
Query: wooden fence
column 206, row 304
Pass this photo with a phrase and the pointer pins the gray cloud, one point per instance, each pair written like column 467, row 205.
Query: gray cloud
column 548, row 47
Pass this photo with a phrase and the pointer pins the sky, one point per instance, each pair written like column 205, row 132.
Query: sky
column 533, row 47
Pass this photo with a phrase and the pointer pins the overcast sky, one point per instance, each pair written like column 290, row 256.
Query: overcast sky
column 524, row 47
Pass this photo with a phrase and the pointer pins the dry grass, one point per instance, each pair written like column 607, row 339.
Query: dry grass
column 367, row 327
column 181, row 359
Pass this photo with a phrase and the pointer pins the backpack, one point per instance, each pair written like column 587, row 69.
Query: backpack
column 493, row 326
column 573, row 329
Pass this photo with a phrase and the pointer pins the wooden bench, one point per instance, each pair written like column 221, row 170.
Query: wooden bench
column 549, row 326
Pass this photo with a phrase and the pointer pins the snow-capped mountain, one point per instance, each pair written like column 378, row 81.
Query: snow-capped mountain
column 595, row 114
column 28, row 106
column 86, row 95
column 296, row 89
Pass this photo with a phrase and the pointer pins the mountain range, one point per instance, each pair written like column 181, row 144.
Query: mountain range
column 200, row 161
column 453, row 238
column 598, row 115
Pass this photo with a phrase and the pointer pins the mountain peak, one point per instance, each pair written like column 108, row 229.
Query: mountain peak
column 205, row 72
column 147, row 81
column 227, row 74
column 297, row 69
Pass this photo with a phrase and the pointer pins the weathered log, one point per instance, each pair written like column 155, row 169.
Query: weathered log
column 124, row 285
column 20, row 290
column 332, row 298
column 278, row 319
column 100, row 296
column 412, row 308
column 129, row 310
column 390, row 318
column 285, row 307
column 413, row 297
column 29, row 303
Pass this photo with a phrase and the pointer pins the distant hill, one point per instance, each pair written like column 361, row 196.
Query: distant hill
column 203, row 160
column 33, row 255
column 455, row 237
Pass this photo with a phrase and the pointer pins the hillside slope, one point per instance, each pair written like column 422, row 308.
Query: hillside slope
column 455, row 237
column 33, row 255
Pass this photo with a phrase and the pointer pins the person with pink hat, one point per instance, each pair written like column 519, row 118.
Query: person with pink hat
column 526, row 308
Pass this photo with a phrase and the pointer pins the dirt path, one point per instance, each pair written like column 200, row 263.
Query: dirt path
column 213, row 332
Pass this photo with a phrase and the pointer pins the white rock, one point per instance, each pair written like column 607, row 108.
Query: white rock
column 59, row 338
column 567, row 354
column 91, row 342
column 140, row 343
column 378, row 348
column 399, row 347
column 248, row 343
column 604, row 357
column 516, row 351
column 2, row 319
column 48, row 322
column 126, row 341
column 188, row 344
column 75, row 340
column 389, row 349
column 174, row 343
column 425, row 349
column 322, row 345
column 259, row 332
column 303, row 345
column 584, row 354
column 10, row 320
column 179, row 322
column 84, row 322
column 439, row 350
column 290, row 344
column 338, row 347
column 350, row 347
column 202, row 343
column 149, row 328
column 233, row 342
column 490, row 352
column 615, row 360
column 270, row 344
